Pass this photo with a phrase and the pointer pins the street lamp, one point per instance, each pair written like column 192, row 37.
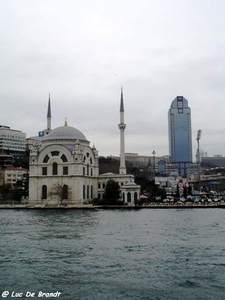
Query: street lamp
column 198, row 158
column 153, row 154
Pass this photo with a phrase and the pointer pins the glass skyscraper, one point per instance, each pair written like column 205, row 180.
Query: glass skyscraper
column 180, row 137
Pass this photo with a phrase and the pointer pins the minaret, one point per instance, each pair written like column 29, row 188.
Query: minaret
column 49, row 116
column 122, row 127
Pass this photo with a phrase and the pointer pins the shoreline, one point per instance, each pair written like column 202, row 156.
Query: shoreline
column 91, row 207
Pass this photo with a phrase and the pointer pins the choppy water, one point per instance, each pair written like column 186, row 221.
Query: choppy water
column 103, row 254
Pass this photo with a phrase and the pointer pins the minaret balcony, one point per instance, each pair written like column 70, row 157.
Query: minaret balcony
column 122, row 126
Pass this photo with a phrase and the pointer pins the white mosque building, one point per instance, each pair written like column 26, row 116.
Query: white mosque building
column 64, row 165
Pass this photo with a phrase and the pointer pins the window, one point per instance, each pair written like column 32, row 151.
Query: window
column 91, row 191
column 65, row 192
column 46, row 159
column 64, row 159
column 44, row 171
column 55, row 153
column 65, row 170
column 83, row 171
column 55, row 169
column 87, row 191
column 44, row 192
column 128, row 197
column 83, row 191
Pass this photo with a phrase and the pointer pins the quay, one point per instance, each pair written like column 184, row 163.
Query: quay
column 122, row 207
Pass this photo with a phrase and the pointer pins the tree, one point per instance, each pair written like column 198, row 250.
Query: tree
column 112, row 191
column 63, row 192
column 5, row 189
column 18, row 190
column 148, row 187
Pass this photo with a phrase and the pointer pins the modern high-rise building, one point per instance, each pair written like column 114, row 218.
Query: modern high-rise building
column 180, row 137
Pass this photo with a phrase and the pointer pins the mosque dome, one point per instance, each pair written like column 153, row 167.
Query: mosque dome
column 65, row 133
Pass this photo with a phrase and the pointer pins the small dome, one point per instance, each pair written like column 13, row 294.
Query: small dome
column 66, row 132
column 130, row 184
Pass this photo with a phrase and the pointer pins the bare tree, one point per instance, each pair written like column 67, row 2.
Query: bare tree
column 62, row 191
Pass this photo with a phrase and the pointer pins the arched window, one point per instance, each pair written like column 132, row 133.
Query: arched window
column 55, row 153
column 123, row 197
column 135, row 197
column 87, row 191
column 46, row 159
column 65, row 192
column 91, row 191
column 128, row 197
column 63, row 158
column 44, row 192
column 55, row 169
column 83, row 191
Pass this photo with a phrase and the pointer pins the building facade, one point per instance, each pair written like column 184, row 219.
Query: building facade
column 12, row 141
column 180, row 134
column 64, row 160
column 14, row 174
column 64, row 167
column 217, row 161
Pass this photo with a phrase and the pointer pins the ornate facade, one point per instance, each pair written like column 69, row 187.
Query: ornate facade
column 64, row 167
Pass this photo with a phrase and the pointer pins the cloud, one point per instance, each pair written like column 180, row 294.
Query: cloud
column 83, row 53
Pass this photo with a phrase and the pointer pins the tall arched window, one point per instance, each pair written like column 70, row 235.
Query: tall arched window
column 83, row 191
column 44, row 192
column 87, row 191
column 55, row 169
column 123, row 197
column 128, row 197
column 65, row 192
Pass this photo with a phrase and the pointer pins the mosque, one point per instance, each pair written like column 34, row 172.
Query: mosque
column 63, row 166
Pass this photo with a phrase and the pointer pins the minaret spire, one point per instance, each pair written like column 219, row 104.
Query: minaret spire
column 122, row 127
column 49, row 116
column 121, row 101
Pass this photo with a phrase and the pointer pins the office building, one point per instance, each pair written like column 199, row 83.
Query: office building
column 12, row 142
column 180, row 137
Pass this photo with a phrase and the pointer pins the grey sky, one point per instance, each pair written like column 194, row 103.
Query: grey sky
column 83, row 52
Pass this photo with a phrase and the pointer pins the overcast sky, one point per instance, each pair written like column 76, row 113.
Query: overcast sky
column 82, row 52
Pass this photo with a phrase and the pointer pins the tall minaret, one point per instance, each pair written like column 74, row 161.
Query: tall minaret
column 122, row 127
column 49, row 116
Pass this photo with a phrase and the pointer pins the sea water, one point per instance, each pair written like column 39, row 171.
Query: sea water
column 112, row 254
